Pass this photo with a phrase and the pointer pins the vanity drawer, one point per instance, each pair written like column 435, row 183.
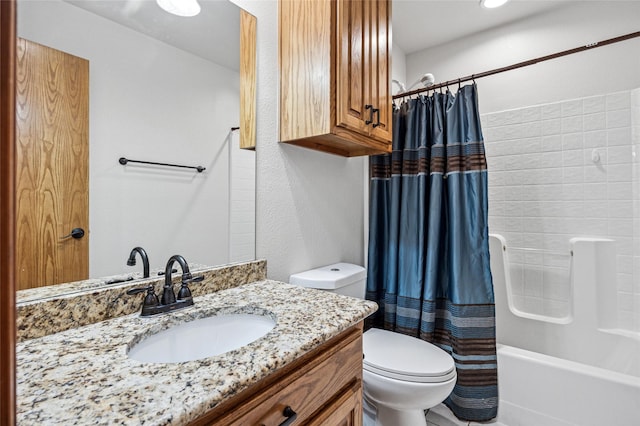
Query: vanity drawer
column 327, row 380
column 344, row 410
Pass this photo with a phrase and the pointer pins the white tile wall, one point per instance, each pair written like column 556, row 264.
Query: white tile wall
column 630, row 284
column 242, row 208
column 564, row 170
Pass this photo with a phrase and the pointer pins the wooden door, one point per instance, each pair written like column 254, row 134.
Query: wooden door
column 352, row 37
column 52, row 163
column 379, row 69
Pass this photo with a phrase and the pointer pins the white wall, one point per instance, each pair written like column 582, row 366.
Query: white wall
column 242, row 203
column 541, row 125
column 148, row 101
column 398, row 67
column 309, row 204
column 603, row 70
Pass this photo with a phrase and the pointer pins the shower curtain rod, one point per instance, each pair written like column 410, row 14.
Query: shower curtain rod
column 472, row 77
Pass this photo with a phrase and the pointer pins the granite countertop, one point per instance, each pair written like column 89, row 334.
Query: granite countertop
column 84, row 376
column 55, row 290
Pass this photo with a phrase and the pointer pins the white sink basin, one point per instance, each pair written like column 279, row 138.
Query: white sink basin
column 202, row 338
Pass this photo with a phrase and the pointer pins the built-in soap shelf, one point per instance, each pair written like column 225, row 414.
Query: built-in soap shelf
column 557, row 286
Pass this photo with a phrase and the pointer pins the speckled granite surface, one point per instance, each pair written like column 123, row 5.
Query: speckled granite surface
column 55, row 310
column 49, row 291
column 83, row 376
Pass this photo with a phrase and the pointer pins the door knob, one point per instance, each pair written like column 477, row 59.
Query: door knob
column 76, row 233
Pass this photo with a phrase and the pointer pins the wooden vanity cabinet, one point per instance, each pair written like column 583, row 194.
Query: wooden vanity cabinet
column 335, row 58
column 323, row 387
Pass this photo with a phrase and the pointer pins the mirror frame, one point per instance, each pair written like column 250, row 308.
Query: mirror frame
column 7, row 176
column 7, row 210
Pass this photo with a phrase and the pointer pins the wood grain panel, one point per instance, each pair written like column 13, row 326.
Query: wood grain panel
column 345, row 410
column 345, row 143
column 352, row 87
column 247, row 80
column 7, row 219
column 52, row 156
column 380, row 65
column 305, row 68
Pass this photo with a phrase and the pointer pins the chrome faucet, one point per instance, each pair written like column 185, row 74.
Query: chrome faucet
column 169, row 301
column 145, row 260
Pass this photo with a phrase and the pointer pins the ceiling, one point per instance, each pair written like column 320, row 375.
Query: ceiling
column 420, row 24
column 417, row 24
column 214, row 34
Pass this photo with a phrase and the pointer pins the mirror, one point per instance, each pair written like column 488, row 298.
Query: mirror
column 164, row 89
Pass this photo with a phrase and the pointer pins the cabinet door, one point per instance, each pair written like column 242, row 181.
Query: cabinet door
column 352, row 35
column 363, row 102
column 379, row 69
column 345, row 410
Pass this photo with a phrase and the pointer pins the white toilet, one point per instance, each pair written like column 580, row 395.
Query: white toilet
column 402, row 375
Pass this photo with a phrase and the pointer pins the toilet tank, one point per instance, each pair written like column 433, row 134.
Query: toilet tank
column 341, row 278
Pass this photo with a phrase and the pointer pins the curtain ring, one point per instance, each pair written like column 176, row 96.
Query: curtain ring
column 458, row 84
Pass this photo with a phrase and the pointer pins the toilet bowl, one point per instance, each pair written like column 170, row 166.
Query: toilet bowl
column 402, row 375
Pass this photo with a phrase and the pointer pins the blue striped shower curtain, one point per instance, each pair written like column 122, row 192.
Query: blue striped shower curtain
column 428, row 266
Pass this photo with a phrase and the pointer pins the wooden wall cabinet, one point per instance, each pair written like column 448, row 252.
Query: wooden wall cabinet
column 323, row 387
column 248, row 69
column 335, row 93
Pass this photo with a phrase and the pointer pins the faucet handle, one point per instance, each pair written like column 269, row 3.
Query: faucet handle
column 137, row 290
column 150, row 300
column 193, row 279
column 185, row 292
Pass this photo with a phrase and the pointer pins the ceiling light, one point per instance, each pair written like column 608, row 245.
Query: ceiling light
column 180, row 7
column 491, row 4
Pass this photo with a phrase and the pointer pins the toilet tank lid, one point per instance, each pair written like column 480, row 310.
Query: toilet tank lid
column 329, row 277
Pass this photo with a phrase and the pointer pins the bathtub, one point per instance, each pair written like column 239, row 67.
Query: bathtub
column 570, row 369
column 540, row 390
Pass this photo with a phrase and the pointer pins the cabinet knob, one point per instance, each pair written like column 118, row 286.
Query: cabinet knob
column 290, row 416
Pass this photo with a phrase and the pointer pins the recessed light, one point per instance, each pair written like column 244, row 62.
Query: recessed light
column 180, row 7
column 492, row 4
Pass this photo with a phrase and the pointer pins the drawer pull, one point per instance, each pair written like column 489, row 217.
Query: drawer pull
column 377, row 112
column 290, row 416
column 370, row 108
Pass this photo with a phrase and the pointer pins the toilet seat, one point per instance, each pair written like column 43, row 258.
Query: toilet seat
column 406, row 358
